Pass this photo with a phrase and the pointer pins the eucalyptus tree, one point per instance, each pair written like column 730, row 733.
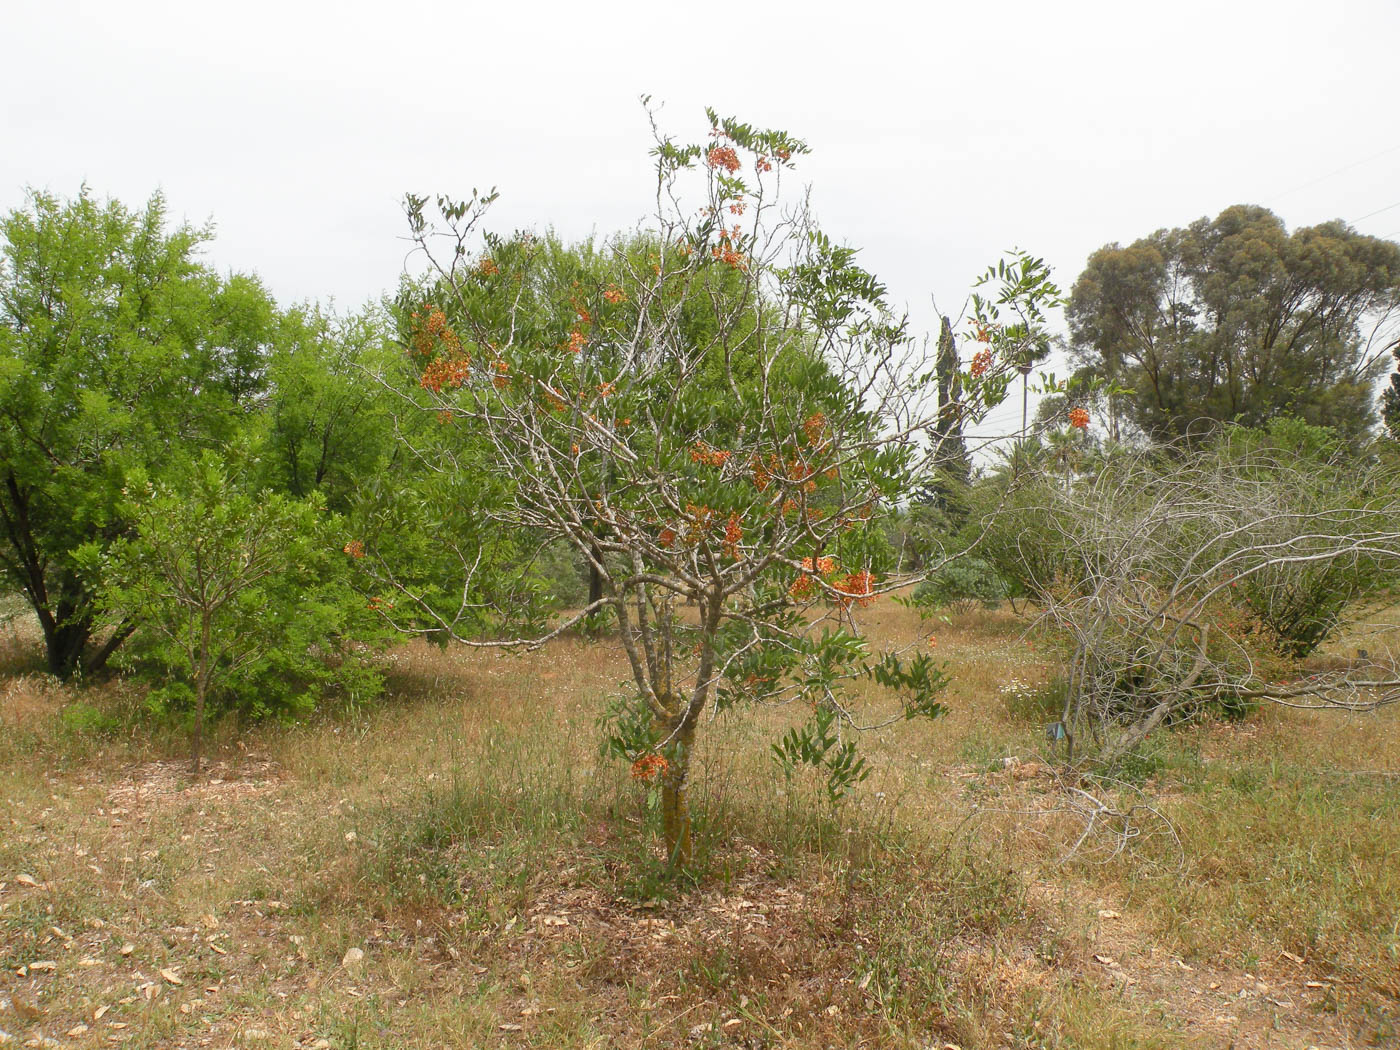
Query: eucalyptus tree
column 1234, row 319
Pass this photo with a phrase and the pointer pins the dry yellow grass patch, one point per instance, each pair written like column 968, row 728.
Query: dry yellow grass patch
column 459, row 867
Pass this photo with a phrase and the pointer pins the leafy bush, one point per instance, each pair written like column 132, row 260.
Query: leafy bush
column 961, row 585
column 237, row 600
column 1298, row 603
column 1020, row 535
column 563, row 574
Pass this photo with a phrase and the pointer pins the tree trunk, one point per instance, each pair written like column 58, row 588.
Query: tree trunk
column 198, row 729
column 675, row 802
column 201, row 688
column 675, row 817
column 64, row 642
column 595, row 594
column 98, row 660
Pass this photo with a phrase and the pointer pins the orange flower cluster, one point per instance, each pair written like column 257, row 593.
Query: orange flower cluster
column 761, row 478
column 708, row 455
column 378, row 604
column 604, row 389
column 1079, row 417
column 445, row 373
column 730, row 257
column 556, row 403
column 577, row 341
column 856, row 588
column 733, row 536
column 444, row 417
column 983, row 335
column 814, row 426
column 737, row 208
column 649, row 767
column 501, row 379
column 763, row 472
column 487, row 267
column 614, row 295
column 725, row 251
column 981, row 362
column 801, row 588
column 355, row 549
column 667, row 538
column 431, row 328
column 701, row 519
column 723, row 157
column 763, row 164
column 800, row 471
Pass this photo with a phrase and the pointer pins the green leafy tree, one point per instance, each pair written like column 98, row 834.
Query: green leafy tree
column 119, row 350
column 240, row 599
column 1234, row 319
column 720, row 414
column 326, row 428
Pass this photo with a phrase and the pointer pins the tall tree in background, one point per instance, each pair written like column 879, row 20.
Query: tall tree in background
column 956, row 471
column 326, row 429
column 1390, row 400
column 118, row 349
column 1235, row 319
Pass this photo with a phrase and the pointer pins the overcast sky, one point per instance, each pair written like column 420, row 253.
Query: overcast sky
column 942, row 133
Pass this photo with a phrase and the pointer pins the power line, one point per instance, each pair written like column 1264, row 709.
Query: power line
column 1339, row 171
column 1378, row 211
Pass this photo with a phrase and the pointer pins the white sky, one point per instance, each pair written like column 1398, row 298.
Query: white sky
column 942, row 133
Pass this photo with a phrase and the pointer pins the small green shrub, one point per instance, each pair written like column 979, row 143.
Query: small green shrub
column 238, row 600
column 962, row 585
column 81, row 718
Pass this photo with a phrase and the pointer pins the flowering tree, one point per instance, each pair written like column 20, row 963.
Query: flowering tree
column 715, row 413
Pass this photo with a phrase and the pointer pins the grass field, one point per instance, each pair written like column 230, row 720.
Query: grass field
column 458, row 867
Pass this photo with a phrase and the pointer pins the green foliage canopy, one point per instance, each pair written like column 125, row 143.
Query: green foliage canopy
column 1234, row 319
column 119, row 350
column 239, row 598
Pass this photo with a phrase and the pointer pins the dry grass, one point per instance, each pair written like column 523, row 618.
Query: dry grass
column 502, row 883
